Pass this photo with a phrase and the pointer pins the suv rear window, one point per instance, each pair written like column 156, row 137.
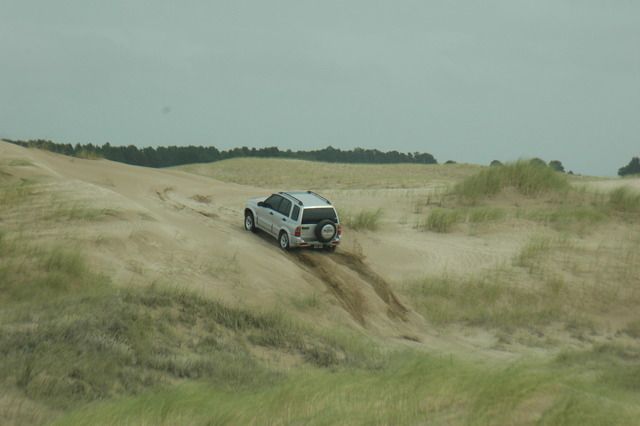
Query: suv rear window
column 312, row 216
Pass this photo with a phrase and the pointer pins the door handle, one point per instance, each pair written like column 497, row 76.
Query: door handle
column 271, row 213
column 284, row 219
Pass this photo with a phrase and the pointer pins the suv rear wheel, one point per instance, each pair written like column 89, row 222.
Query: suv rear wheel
column 284, row 240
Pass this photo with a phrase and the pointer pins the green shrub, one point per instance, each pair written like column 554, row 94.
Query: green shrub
column 526, row 177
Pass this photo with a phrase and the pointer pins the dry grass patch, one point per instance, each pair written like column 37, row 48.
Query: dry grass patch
column 19, row 162
column 24, row 201
column 493, row 300
column 444, row 220
column 440, row 220
column 280, row 173
column 633, row 329
column 552, row 280
column 366, row 220
column 531, row 254
column 624, row 200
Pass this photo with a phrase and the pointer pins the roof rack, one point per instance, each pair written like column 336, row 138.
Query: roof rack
column 319, row 196
column 289, row 195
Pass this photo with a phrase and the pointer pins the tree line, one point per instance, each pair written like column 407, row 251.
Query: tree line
column 166, row 156
column 177, row 155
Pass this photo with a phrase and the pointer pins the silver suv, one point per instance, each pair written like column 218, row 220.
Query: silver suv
column 296, row 219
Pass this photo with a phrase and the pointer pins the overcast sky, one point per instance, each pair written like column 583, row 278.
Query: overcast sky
column 470, row 81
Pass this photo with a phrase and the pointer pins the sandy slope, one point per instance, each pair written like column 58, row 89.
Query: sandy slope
column 180, row 229
column 176, row 228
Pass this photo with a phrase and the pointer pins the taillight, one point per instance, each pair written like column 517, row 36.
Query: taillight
column 339, row 230
column 298, row 231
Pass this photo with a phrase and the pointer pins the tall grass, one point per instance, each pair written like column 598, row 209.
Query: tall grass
column 100, row 343
column 444, row 220
column 574, row 217
column 485, row 214
column 368, row 220
column 552, row 281
column 624, row 200
column 488, row 300
column 440, row 220
column 13, row 193
column 530, row 253
column 416, row 388
column 528, row 178
column 68, row 337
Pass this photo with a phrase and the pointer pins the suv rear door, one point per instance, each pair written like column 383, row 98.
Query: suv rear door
column 310, row 218
column 281, row 216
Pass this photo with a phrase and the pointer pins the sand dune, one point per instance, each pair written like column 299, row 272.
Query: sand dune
column 553, row 274
column 181, row 229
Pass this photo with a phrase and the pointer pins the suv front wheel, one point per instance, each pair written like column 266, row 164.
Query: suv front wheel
column 249, row 222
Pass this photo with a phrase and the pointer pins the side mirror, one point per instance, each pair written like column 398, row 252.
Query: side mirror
column 261, row 204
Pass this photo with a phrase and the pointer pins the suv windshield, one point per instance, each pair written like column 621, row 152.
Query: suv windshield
column 312, row 216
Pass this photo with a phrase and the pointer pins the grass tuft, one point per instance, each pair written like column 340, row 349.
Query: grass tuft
column 530, row 253
column 443, row 220
column 368, row 220
column 440, row 220
column 485, row 214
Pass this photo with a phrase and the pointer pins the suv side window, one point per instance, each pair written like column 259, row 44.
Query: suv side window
column 274, row 201
column 285, row 207
column 295, row 213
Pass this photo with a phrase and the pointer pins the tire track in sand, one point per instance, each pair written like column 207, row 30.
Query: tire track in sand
column 330, row 269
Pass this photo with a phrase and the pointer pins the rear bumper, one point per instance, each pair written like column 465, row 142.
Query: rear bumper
column 300, row 242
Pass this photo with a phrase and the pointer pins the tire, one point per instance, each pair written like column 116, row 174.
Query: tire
column 330, row 249
column 283, row 239
column 249, row 222
column 326, row 230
